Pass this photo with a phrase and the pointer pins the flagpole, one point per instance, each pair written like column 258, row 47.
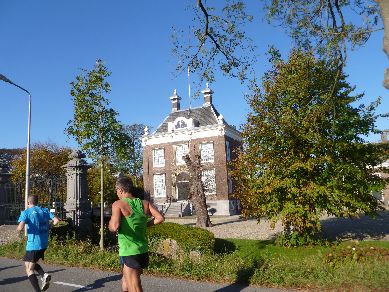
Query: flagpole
column 190, row 100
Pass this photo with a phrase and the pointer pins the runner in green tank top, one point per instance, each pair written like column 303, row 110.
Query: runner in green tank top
column 130, row 218
column 132, row 230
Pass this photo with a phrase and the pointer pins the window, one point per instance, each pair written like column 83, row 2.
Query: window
column 207, row 154
column 159, row 185
column 158, row 157
column 181, row 150
column 209, row 182
column 228, row 151
column 229, row 182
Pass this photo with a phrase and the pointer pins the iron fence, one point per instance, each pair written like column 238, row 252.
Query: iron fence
column 51, row 192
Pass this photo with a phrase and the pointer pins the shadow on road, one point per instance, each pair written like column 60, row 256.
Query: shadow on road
column 14, row 280
column 100, row 283
column 232, row 288
column 55, row 271
column 9, row 267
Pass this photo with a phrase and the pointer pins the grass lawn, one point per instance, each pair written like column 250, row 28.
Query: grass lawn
column 348, row 266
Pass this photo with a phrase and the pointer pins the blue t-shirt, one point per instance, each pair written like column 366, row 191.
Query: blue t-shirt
column 37, row 224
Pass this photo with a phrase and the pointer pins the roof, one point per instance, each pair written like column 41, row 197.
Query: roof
column 202, row 116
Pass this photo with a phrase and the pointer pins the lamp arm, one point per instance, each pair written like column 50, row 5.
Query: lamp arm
column 5, row 79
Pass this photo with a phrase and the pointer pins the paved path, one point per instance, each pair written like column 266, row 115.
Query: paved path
column 13, row 278
column 363, row 228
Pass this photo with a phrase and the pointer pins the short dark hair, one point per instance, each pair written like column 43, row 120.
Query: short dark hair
column 125, row 183
column 33, row 199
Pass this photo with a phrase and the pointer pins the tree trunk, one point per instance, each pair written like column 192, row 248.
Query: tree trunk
column 384, row 5
column 196, row 193
column 102, row 205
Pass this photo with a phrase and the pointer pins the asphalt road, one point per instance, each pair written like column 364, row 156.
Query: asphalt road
column 13, row 278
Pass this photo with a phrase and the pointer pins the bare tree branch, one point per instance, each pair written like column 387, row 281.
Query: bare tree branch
column 206, row 29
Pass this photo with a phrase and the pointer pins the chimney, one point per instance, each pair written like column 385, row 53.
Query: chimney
column 207, row 95
column 175, row 101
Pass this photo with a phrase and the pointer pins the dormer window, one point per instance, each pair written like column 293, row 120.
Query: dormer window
column 180, row 123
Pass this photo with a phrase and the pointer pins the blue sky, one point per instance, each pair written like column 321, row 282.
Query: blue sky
column 45, row 43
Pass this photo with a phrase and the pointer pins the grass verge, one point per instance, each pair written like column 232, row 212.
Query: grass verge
column 352, row 266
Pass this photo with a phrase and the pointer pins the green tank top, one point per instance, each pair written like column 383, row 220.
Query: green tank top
column 132, row 230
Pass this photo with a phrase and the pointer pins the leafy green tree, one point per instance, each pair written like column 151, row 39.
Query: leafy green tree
column 94, row 184
column 130, row 161
column 303, row 148
column 94, row 125
column 46, row 170
column 110, row 175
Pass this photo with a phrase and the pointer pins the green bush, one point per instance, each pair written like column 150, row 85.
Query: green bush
column 188, row 238
column 81, row 253
column 110, row 238
column 61, row 230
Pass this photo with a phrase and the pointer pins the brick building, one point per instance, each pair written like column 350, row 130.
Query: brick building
column 204, row 131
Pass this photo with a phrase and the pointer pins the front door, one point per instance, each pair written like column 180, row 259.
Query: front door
column 183, row 186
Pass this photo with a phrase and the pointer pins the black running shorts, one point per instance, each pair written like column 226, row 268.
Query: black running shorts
column 138, row 261
column 33, row 256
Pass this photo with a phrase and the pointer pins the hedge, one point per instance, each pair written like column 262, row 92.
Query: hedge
column 188, row 238
column 61, row 230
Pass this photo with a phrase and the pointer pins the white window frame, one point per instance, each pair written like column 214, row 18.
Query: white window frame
column 181, row 150
column 159, row 157
column 159, row 182
column 207, row 152
column 208, row 178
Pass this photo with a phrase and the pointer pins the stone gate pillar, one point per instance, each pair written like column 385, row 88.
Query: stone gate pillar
column 77, row 205
column 4, row 181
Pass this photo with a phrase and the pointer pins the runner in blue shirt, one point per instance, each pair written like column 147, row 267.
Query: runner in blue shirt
column 37, row 220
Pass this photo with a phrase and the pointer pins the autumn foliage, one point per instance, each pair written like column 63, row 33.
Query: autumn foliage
column 303, row 148
column 47, row 174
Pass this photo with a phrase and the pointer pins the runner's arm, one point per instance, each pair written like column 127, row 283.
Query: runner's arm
column 20, row 226
column 22, row 221
column 114, row 222
column 158, row 218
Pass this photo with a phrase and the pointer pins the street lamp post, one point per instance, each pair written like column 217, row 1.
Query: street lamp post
column 27, row 189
